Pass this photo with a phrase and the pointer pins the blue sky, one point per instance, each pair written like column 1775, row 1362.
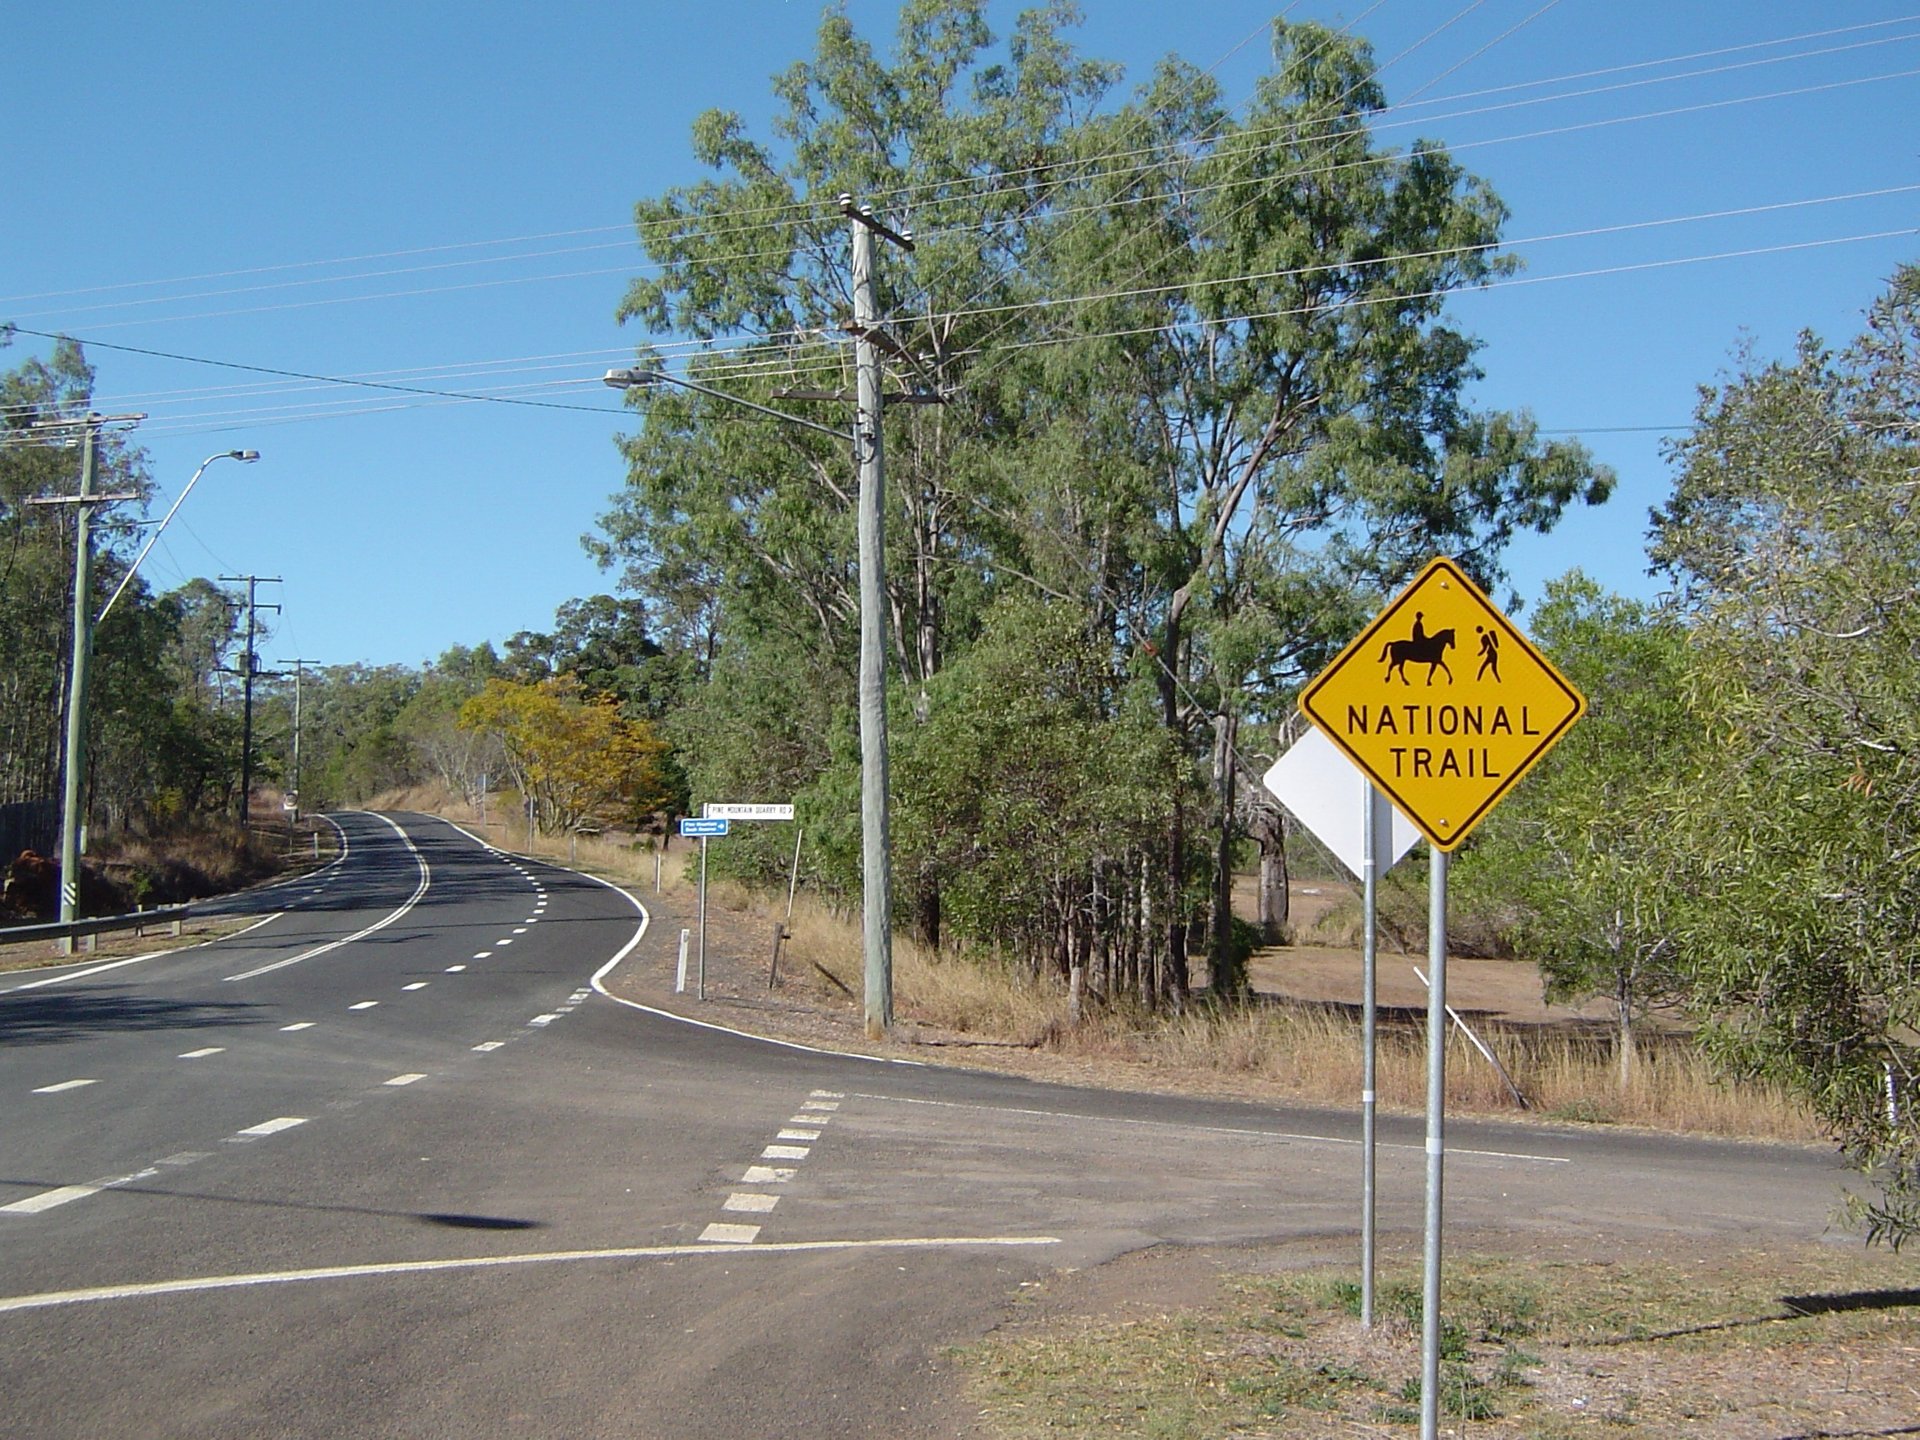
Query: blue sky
column 440, row 195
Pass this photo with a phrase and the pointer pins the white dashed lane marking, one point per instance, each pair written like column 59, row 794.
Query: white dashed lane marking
column 298, row 1025
column 723, row 1234
column 48, row 1199
column 364, row 1005
column 416, row 985
column 455, row 969
column 202, row 1054
column 750, row 1204
column 271, row 1127
column 63, row 1085
column 784, row 1152
column 489, row 1045
column 405, row 1079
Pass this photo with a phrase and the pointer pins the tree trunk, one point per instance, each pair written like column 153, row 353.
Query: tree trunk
column 1269, row 830
column 1226, row 975
column 1624, row 1046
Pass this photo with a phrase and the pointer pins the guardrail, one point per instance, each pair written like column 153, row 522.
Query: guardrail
column 168, row 915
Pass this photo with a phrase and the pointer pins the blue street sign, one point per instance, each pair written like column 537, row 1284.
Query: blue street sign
column 694, row 825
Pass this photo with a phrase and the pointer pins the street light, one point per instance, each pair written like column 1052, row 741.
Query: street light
column 247, row 456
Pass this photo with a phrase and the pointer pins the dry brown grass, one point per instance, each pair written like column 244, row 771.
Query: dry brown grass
column 1296, row 1051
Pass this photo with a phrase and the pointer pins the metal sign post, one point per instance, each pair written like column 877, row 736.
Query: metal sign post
column 702, row 828
column 1328, row 794
column 1446, row 745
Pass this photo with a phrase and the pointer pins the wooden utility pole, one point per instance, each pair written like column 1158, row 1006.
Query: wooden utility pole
column 246, row 682
column 876, row 842
column 74, row 763
column 299, row 671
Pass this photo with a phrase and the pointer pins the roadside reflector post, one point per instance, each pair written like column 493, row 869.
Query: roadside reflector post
column 680, row 974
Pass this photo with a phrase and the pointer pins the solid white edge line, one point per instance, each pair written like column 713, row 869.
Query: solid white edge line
column 72, row 974
column 426, row 878
column 136, row 959
column 646, row 919
column 599, row 983
column 94, row 1295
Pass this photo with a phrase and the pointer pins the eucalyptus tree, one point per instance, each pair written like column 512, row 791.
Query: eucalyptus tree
column 1794, row 540
column 1264, row 318
column 1198, row 388
column 1579, row 861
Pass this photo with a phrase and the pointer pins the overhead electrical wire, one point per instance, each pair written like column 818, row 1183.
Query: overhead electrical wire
column 424, row 394
column 810, row 209
column 753, row 352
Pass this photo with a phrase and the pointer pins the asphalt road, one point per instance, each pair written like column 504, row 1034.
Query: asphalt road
column 396, row 1162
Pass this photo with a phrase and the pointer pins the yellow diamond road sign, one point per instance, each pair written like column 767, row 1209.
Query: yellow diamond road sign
column 1443, row 703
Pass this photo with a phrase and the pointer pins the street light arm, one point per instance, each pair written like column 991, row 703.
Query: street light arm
column 639, row 379
column 248, row 456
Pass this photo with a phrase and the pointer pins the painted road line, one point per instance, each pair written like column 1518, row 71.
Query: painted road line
column 455, row 969
column 520, row 930
column 809, row 1119
column 486, row 1045
column 363, row 1005
column 75, row 974
column 822, row 1105
column 404, row 1079
column 417, row 985
column 720, row 1233
column 63, row 1085
column 48, row 1199
column 271, row 1127
column 101, row 1294
column 426, row 876
column 792, row 1134
column 768, row 1175
column 543, row 1019
column 750, row 1204
column 504, row 940
column 297, row 1025
column 202, row 1054
column 827, row 1094
column 783, row 1152
column 482, row 955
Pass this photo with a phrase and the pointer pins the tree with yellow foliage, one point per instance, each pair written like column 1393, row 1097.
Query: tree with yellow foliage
column 577, row 758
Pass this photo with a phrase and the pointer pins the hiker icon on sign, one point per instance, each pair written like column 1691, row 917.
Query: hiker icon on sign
column 1489, row 653
column 1420, row 649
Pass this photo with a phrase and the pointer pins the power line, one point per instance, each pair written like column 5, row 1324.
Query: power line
column 806, row 209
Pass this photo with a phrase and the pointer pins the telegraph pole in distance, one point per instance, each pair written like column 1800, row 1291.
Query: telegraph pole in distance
column 876, row 842
column 74, row 760
column 246, row 681
column 299, row 669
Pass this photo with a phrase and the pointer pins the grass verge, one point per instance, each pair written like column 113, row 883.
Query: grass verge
column 1812, row 1341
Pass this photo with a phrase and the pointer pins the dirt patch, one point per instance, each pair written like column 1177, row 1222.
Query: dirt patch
column 1508, row 991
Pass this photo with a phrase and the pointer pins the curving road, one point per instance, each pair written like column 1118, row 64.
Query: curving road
column 398, row 1161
